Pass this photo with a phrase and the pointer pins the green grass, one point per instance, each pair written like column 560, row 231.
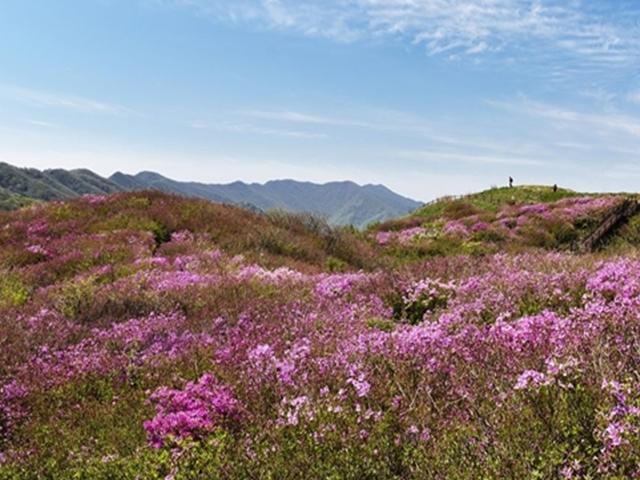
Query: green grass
column 627, row 240
column 548, row 234
column 491, row 200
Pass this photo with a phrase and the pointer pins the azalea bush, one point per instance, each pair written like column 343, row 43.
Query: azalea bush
column 125, row 355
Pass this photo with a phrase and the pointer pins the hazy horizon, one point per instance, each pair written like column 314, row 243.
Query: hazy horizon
column 427, row 97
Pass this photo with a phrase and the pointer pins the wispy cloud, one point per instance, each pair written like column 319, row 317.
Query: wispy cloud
column 577, row 30
column 623, row 170
column 458, row 157
column 397, row 123
column 247, row 128
column 294, row 117
column 596, row 121
column 599, row 95
column 40, row 123
column 44, row 99
column 381, row 120
column 634, row 97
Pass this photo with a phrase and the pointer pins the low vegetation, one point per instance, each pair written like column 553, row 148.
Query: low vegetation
column 147, row 336
column 12, row 201
column 498, row 220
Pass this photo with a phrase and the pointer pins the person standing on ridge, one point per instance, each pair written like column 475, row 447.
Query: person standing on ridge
column 510, row 182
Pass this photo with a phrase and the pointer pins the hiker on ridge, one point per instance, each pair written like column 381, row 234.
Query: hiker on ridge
column 510, row 182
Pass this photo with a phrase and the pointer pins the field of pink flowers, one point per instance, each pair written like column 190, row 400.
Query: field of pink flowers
column 137, row 342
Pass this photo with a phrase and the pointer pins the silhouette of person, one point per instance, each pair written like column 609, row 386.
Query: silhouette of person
column 510, row 182
column 555, row 187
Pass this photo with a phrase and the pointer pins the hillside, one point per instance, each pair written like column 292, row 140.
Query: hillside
column 54, row 184
column 275, row 239
column 83, row 182
column 499, row 219
column 149, row 335
column 12, row 201
column 342, row 203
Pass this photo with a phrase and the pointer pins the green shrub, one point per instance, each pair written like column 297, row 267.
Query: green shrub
column 563, row 232
column 13, row 292
column 381, row 324
column 76, row 297
column 334, row 264
column 459, row 209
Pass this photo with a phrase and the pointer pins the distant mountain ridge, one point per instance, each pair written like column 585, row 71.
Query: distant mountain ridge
column 22, row 186
column 342, row 203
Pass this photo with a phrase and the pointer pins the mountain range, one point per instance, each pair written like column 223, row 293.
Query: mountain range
column 341, row 203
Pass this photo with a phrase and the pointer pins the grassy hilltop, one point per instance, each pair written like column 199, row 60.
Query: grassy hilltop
column 150, row 336
column 500, row 220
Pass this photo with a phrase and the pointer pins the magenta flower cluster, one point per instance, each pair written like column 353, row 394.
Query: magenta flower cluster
column 191, row 412
column 403, row 237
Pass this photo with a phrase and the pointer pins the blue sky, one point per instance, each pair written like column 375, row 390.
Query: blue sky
column 429, row 97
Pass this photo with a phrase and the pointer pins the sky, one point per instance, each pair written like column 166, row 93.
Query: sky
column 429, row 97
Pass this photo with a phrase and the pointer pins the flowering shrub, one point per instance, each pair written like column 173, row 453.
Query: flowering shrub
column 455, row 228
column 418, row 299
column 191, row 412
column 403, row 237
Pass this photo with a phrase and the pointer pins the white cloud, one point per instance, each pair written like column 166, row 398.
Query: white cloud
column 238, row 127
column 382, row 120
column 40, row 123
column 452, row 27
column 458, row 157
column 634, row 97
column 401, row 125
column 40, row 98
column 623, row 171
column 598, row 122
column 599, row 95
column 294, row 117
